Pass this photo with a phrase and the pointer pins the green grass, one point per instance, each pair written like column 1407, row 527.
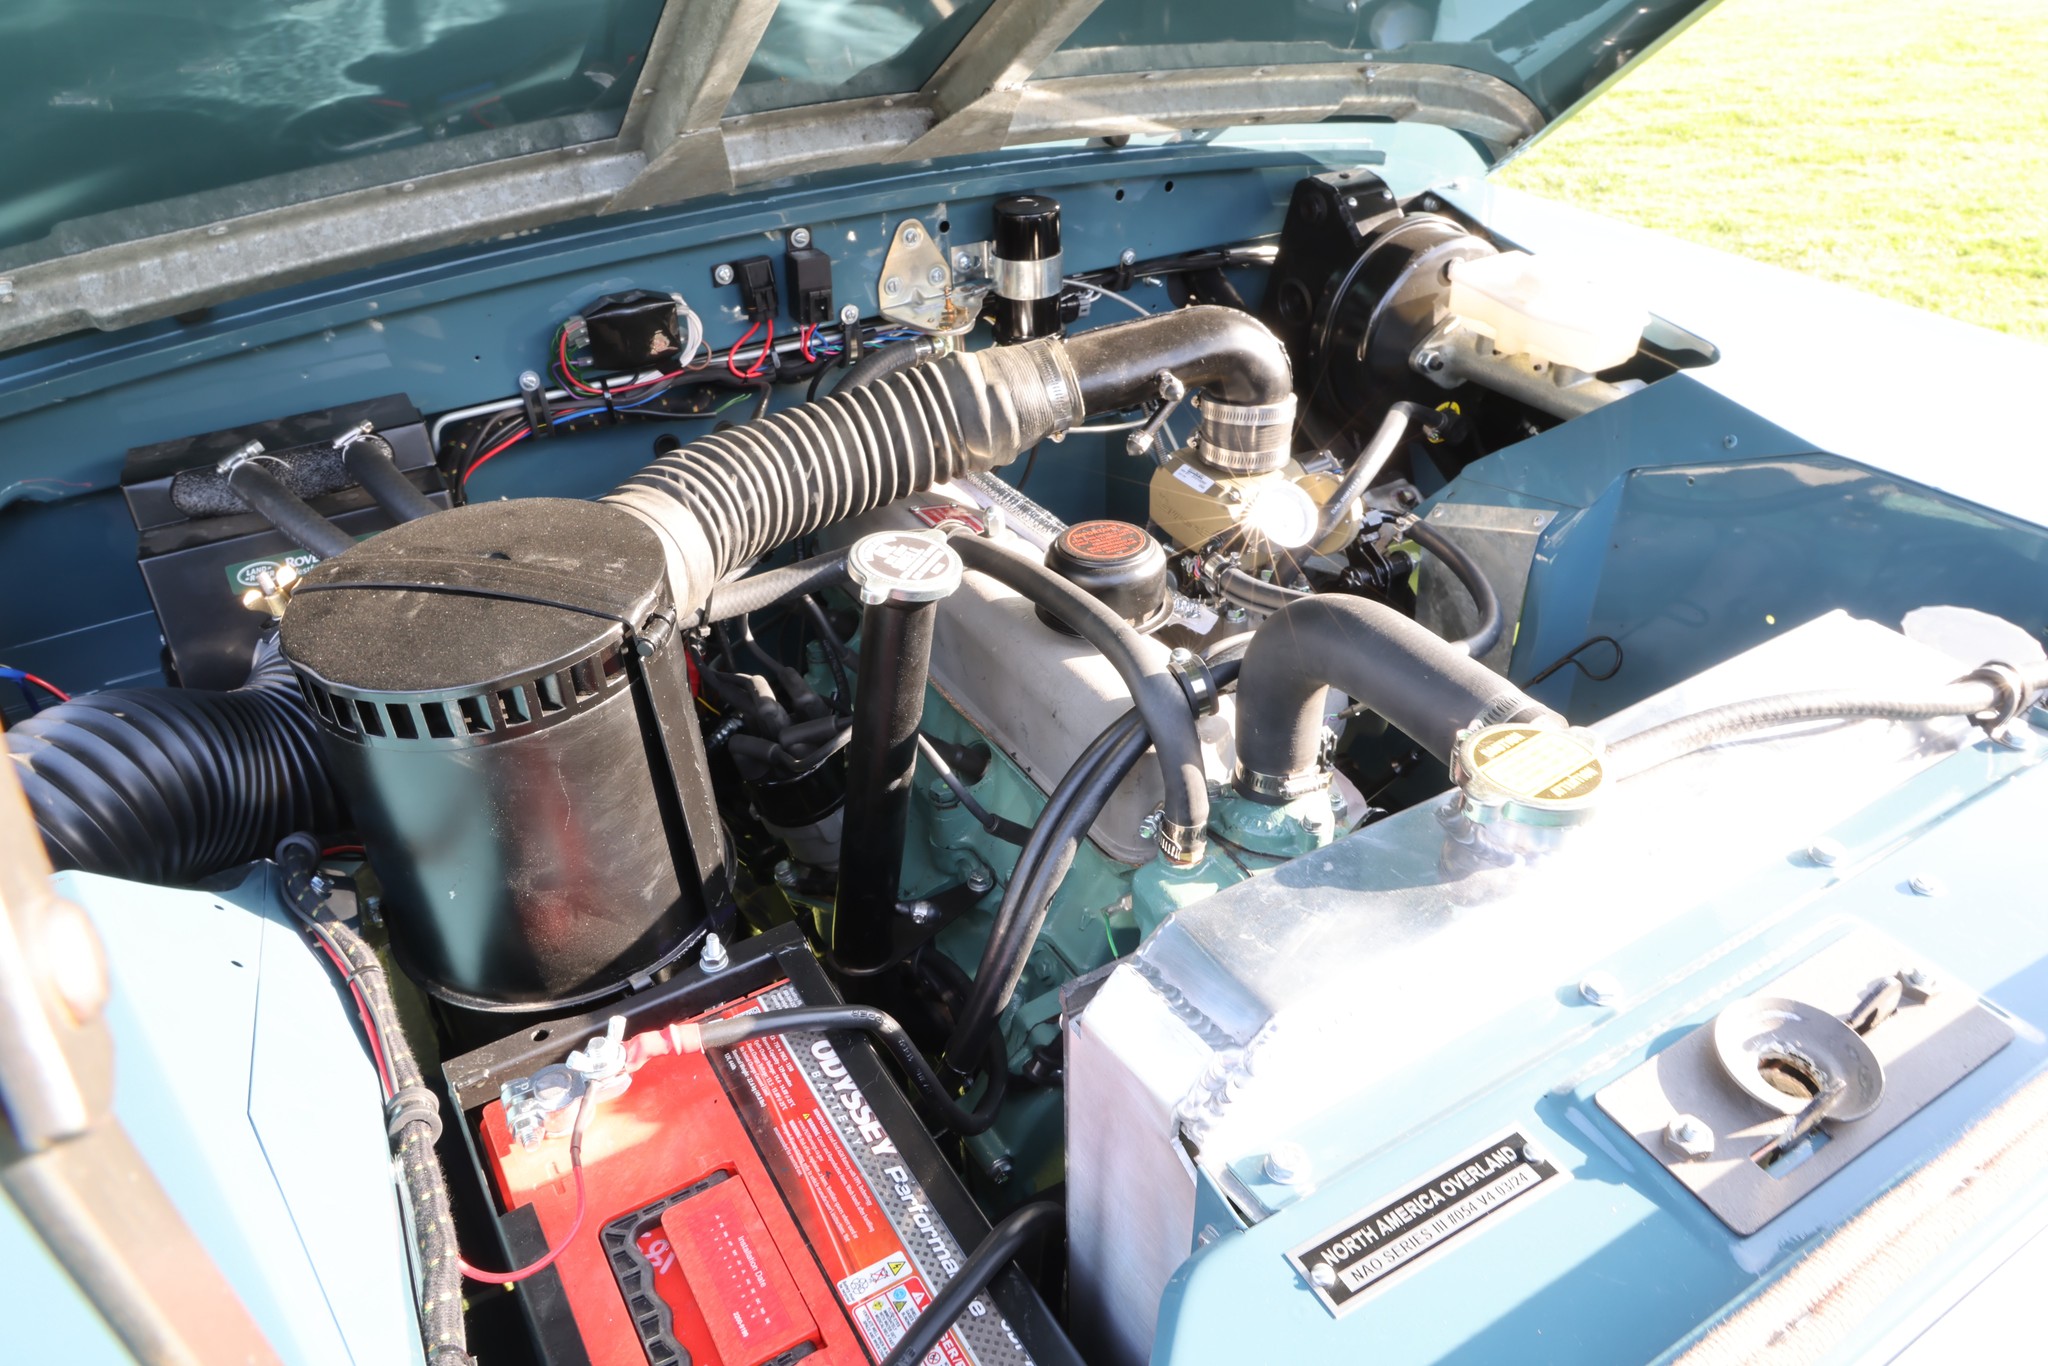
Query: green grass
column 1895, row 146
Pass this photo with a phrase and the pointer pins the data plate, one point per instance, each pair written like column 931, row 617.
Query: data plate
column 1344, row 1265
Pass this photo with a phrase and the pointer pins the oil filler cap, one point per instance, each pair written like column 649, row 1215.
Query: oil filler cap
column 903, row 566
column 1118, row 564
column 1529, row 775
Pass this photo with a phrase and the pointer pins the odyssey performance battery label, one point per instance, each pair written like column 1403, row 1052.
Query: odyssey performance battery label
column 1344, row 1263
column 867, row 1217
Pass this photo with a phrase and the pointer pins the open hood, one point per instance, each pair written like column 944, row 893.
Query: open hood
column 167, row 157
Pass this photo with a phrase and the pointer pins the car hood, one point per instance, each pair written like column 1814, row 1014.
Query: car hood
column 168, row 157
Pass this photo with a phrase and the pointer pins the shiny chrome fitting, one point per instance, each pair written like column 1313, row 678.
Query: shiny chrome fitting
column 1247, row 438
column 1026, row 281
column 1182, row 844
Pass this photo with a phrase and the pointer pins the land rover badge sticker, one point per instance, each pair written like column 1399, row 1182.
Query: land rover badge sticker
column 1344, row 1264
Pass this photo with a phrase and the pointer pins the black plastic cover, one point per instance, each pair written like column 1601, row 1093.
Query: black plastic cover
column 636, row 330
column 1118, row 564
column 807, row 279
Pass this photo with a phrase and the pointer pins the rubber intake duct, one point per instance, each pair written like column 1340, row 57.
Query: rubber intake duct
column 169, row 785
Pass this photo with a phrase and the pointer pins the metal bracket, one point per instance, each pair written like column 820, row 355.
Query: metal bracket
column 1746, row 1165
column 919, row 287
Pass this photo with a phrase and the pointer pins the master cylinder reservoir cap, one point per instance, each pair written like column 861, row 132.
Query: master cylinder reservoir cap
column 1529, row 775
column 904, row 566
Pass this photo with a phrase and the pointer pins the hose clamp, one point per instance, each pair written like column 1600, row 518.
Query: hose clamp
column 1247, row 438
column 1182, row 844
column 2010, row 687
column 1061, row 387
column 1027, row 281
column 1278, row 789
column 1191, row 671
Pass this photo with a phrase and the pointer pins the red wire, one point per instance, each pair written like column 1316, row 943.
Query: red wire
column 569, row 376
column 48, row 687
column 547, row 1259
column 808, row 333
column 767, row 350
column 331, row 851
column 486, row 457
column 733, row 355
column 363, row 1009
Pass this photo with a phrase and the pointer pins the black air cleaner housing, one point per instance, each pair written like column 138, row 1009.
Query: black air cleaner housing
column 507, row 709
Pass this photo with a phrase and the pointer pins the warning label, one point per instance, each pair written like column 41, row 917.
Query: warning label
column 1347, row 1261
column 866, row 1216
column 1537, row 765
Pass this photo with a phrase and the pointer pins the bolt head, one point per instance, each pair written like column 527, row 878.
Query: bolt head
column 849, row 314
column 721, row 275
column 1324, row 1275
column 1127, row 256
column 963, row 260
column 921, row 912
column 1729, row 443
column 1921, row 983
column 892, row 286
column 1826, row 852
column 1287, row 1164
column 1600, row 988
column 799, row 238
column 1000, row 1169
column 713, row 958
column 936, row 275
column 529, row 382
column 785, row 873
column 980, row 880
column 1923, row 885
column 1688, row 1137
column 1235, row 615
column 912, row 235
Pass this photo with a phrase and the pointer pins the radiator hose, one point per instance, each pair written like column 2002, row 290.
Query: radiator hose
column 1426, row 687
column 168, row 785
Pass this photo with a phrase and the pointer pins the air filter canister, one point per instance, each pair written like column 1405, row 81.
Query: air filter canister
column 507, row 710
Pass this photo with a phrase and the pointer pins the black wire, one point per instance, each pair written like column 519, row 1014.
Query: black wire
column 1018, row 1229
column 1030, row 463
column 1571, row 657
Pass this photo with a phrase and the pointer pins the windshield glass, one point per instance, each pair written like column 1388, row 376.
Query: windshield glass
column 112, row 105
column 819, row 50
column 126, row 120
column 1554, row 51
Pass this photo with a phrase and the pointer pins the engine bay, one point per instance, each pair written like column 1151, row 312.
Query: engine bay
column 1171, row 716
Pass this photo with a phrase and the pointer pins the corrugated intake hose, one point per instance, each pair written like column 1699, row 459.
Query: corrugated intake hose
column 722, row 500
column 1426, row 687
column 169, row 785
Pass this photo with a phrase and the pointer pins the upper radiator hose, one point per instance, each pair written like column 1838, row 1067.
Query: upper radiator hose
column 172, row 784
column 1426, row 687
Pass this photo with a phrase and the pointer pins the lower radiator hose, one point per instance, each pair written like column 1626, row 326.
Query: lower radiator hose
column 169, row 785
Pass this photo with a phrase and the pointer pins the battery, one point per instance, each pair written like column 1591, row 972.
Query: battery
column 770, row 1203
